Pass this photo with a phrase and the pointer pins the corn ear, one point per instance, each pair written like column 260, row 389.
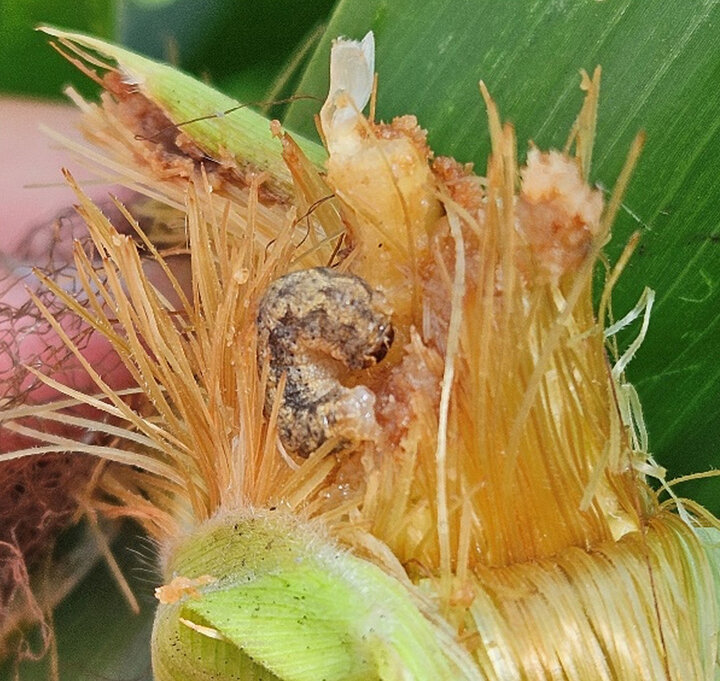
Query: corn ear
column 508, row 487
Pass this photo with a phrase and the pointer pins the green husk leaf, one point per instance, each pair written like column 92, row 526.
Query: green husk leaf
column 182, row 652
column 203, row 113
column 299, row 607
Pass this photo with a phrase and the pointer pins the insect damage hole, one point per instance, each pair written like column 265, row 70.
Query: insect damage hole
column 309, row 323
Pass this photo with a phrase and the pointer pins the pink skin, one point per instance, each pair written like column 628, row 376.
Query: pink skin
column 30, row 158
column 27, row 219
column 37, row 227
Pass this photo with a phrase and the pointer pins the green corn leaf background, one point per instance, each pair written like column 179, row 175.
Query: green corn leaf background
column 661, row 74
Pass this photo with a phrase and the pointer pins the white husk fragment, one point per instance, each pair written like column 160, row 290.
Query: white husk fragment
column 352, row 69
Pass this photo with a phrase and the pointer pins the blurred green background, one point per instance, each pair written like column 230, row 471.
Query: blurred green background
column 661, row 69
column 242, row 47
